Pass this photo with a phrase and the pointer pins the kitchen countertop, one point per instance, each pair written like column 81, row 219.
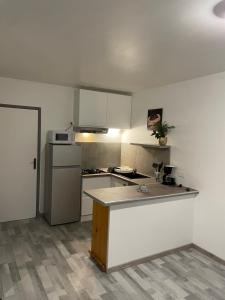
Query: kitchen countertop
column 138, row 181
column 121, row 195
column 130, row 181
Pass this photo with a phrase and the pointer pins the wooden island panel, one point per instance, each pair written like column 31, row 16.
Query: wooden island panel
column 99, row 245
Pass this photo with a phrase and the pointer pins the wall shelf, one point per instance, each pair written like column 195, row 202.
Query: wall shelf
column 154, row 146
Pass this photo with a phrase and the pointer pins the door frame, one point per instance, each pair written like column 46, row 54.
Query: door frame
column 38, row 109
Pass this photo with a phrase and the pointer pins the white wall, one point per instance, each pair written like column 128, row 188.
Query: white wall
column 55, row 101
column 160, row 226
column 197, row 109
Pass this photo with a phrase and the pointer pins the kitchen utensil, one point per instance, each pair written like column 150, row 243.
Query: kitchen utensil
column 157, row 166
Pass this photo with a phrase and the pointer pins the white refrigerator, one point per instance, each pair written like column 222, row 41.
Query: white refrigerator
column 62, row 183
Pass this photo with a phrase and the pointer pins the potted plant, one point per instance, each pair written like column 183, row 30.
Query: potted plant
column 161, row 131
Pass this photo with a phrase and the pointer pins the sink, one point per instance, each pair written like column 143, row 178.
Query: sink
column 134, row 175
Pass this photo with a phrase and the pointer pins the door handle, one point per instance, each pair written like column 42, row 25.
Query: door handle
column 35, row 163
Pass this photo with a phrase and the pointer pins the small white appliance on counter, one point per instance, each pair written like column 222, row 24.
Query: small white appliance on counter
column 61, row 137
column 62, row 183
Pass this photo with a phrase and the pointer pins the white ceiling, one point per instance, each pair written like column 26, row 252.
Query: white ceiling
column 117, row 44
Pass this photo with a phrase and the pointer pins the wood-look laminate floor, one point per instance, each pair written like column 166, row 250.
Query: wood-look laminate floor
column 41, row 262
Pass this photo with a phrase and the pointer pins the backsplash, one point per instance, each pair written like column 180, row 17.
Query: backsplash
column 104, row 155
column 141, row 158
column 100, row 155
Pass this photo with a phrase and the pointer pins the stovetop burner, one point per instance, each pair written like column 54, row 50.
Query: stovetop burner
column 91, row 171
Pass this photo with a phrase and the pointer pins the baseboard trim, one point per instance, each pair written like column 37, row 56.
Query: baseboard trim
column 86, row 218
column 209, row 254
column 164, row 253
column 148, row 258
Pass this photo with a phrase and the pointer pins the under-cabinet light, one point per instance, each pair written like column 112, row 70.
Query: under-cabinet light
column 113, row 132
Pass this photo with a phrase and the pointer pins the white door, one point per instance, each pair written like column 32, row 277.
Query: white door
column 18, row 178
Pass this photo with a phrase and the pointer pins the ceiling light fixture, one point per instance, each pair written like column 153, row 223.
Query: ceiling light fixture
column 219, row 9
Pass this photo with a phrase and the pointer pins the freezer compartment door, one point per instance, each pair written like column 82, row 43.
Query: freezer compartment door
column 66, row 155
column 66, row 195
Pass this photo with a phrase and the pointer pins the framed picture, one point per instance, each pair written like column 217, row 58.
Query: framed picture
column 154, row 117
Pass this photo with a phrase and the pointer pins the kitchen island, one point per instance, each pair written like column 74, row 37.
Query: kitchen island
column 130, row 226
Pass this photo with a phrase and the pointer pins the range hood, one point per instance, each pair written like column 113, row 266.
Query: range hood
column 91, row 130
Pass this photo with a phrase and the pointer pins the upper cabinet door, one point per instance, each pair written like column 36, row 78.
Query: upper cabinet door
column 92, row 108
column 119, row 111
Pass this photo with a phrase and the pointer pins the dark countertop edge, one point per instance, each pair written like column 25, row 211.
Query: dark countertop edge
column 118, row 202
column 96, row 175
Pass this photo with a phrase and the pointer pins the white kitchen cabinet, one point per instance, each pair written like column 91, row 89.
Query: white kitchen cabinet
column 101, row 109
column 119, row 111
column 92, row 108
column 87, row 202
column 86, row 208
column 97, row 182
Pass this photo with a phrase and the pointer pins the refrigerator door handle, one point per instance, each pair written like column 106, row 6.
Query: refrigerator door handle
column 35, row 163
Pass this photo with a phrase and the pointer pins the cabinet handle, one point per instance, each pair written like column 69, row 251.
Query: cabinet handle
column 35, row 163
